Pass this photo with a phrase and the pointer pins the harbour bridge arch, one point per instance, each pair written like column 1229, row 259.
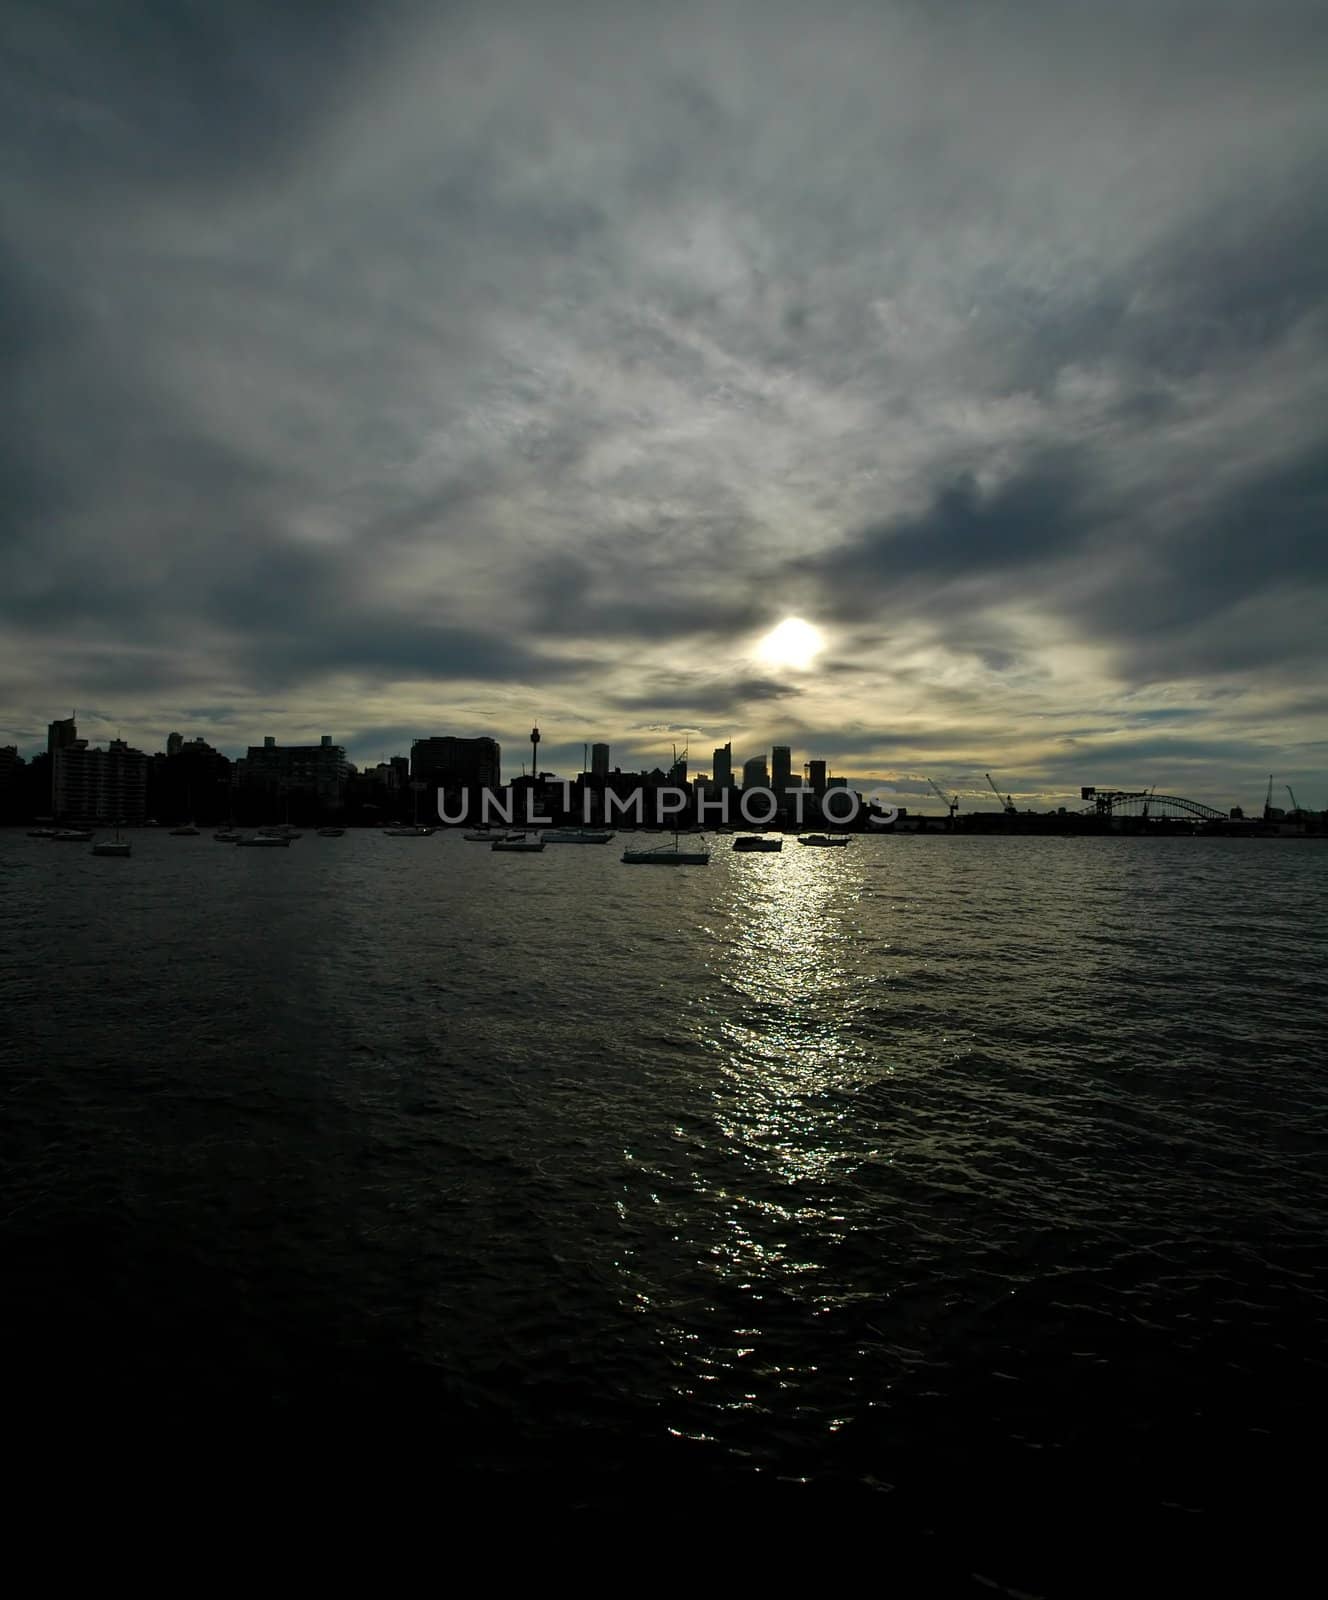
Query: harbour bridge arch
column 1145, row 803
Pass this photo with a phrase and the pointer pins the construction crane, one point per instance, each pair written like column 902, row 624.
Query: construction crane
column 1268, row 799
column 1295, row 805
column 1007, row 805
column 951, row 802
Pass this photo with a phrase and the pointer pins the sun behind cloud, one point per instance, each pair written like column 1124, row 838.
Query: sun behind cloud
column 794, row 643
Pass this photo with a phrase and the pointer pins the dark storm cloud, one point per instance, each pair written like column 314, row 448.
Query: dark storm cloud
column 1237, row 278
column 964, row 537
column 590, row 597
column 182, row 93
column 1267, row 536
column 718, row 698
column 398, row 651
column 1239, row 582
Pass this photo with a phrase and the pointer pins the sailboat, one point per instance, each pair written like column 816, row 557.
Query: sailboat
column 188, row 830
column 667, row 855
column 411, row 830
column 113, row 847
column 519, row 843
column 279, row 830
column 230, row 834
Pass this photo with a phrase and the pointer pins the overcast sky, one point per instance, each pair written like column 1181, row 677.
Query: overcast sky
column 390, row 370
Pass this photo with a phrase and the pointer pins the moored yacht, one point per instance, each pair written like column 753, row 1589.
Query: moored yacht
column 667, row 855
column 112, row 847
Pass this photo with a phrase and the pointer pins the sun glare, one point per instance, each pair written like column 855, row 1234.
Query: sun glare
column 794, row 643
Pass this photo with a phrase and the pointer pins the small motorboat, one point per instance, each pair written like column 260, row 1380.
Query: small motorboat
column 271, row 841
column 330, row 833
column 824, row 839
column 755, row 841
column 519, row 843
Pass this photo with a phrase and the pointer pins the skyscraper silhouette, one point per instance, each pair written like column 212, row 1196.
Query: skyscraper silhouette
column 781, row 768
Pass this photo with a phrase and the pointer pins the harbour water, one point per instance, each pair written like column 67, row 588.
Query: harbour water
column 970, row 1190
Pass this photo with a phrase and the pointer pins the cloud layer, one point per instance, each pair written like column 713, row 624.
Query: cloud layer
column 400, row 368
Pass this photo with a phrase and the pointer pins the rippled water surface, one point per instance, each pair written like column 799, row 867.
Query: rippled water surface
column 974, row 1189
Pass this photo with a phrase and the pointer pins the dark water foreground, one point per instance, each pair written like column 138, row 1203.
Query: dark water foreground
column 962, row 1198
